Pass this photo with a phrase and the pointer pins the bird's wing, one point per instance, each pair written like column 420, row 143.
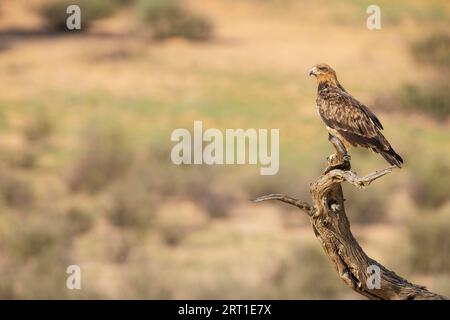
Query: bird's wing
column 354, row 121
column 370, row 114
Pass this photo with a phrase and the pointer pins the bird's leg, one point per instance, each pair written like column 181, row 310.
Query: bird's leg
column 342, row 158
column 340, row 148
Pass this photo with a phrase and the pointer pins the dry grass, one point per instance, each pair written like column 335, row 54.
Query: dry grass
column 90, row 179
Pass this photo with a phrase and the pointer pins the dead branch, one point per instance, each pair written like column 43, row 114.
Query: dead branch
column 332, row 228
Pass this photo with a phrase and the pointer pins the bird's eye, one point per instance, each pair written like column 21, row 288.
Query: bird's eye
column 322, row 68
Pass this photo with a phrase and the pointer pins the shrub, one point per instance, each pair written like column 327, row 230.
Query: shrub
column 133, row 204
column 430, row 239
column 168, row 18
column 39, row 127
column 55, row 15
column 34, row 246
column 174, row 221
column 366, row 207
column 16, row 191
column 125, row 2
column 434, row 100
column 216, row 200
column 200, row 185
column 434, row 49
column 27, row 159
column 105, row 157
column 429, row 185
column 308, row 275
column 79, row 220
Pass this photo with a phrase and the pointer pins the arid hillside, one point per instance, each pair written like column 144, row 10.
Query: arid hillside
column 86, row 118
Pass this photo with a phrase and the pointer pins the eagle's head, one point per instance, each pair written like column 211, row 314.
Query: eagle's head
column 323, row 73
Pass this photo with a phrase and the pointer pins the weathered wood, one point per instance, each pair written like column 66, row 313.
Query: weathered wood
column 332, row 228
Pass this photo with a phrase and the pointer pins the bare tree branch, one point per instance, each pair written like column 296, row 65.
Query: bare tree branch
column 302, row 205
column 332, row 228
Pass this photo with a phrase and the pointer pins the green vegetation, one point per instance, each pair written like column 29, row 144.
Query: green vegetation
column 434, row 49
column 106, row 156
column 39, row 127
column 133, row 202
column 367, row 208
column 311, row 262
column 431, row 100
column 432, row 178
column 169, row 18
column 54, row 12
column 430, row 242
column 16, row 191
column 163, row 18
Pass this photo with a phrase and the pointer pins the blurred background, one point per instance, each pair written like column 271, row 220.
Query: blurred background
column 85, row 124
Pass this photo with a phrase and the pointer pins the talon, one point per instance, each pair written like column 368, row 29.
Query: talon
column 346, row 165
column 341, row 166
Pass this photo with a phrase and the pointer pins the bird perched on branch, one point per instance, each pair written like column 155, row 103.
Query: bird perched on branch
column 349, row 122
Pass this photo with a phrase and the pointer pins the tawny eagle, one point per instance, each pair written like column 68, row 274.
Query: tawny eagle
column 349, row 122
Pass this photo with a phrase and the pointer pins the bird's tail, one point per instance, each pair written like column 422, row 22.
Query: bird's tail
column 392, row 157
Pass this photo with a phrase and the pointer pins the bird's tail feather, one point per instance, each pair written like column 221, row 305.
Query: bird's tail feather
column 392, row 157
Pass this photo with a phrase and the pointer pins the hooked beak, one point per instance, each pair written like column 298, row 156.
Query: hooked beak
column 312, row 71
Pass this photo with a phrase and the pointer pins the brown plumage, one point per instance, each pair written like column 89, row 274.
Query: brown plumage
column 347, row 119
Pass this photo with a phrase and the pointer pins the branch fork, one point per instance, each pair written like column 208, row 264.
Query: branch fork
column 332, row 228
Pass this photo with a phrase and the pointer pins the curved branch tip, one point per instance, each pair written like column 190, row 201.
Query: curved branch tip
column 302, row 205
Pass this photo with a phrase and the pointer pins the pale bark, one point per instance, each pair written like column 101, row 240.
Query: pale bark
column 332, row 228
